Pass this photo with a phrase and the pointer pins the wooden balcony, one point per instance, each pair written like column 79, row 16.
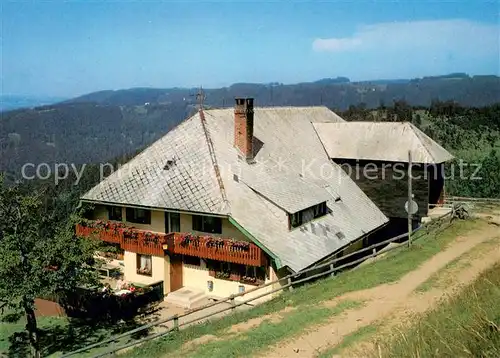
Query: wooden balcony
column 209, row 247
column 158, row 244
column 130, row 239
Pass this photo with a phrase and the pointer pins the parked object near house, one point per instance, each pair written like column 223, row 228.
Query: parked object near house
column 231, row 199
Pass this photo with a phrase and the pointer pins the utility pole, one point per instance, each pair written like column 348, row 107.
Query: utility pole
column 410, row 199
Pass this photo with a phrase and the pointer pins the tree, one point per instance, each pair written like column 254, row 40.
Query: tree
column 39, row 254
column 418, row 120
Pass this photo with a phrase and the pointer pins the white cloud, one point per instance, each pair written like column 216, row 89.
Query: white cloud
column 342, row 44
column 451, row 36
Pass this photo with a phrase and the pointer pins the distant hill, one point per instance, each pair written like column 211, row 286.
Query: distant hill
column 10, row 102
column 103, row 125
column 337, row 92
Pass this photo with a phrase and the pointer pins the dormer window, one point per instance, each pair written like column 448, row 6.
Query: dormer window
column 320, row 210
column 301, row 217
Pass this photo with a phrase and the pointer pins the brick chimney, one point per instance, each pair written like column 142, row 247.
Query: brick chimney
column 243, row 126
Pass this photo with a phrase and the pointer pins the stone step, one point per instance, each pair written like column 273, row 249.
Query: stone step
column 187, row 297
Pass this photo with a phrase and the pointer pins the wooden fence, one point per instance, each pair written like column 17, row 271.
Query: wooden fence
column 286, row 283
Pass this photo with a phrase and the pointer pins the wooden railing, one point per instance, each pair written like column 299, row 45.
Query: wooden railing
column 212, row 248
column 150, row 243
column 130, row 239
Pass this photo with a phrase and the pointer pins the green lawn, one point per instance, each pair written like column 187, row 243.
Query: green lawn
column 15, row 332
column 57, row 335
column 269, row 333
column 389, row 269
column 466, row 326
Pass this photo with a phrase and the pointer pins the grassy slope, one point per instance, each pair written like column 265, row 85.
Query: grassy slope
column 466, row 326
column 356, row 336
column 8, row 330
column 394, row 266
column 390, row 269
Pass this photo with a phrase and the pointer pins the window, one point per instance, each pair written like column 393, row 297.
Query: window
column 144, row 265
column 115, row 213
column 192, row 260
column 236, row 272
column 138, row 216
column 175, row 222
column 320, row 210
column 258, row 273
column 208, row 224
column 306, row 215
column 296, row 219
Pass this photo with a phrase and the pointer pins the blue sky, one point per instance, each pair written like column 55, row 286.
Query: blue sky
column 70, row 48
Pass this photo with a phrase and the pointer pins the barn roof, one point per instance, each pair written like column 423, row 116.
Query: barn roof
column 384, row 141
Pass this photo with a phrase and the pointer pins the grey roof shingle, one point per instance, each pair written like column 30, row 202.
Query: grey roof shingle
column 291, row 148
column 386, row 141
column 189, row 184
column 292, row 172
column 286, row 190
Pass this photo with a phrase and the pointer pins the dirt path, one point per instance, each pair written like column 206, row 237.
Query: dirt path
column 392, row 301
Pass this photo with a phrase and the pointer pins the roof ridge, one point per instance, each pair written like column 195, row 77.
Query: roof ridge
column 213, row 157
column 417, row 133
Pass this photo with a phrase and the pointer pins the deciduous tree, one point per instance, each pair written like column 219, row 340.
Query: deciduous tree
column 39, row 254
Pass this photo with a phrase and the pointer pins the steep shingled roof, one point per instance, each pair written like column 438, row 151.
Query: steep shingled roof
column 175, row 172
column 289, row 162
column 385, row 141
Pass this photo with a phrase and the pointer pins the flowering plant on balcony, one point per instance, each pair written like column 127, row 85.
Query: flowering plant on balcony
column 144, row 271
column 222, row 274
column 240, row 246
column 130, row 233
column 249, row 279
column 217, row 243
column 151, row 238
column 188, row 239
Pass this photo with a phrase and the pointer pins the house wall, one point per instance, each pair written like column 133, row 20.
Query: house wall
column 193, row 276
column 387, row 185
column 160, row 270
column 158, row 223
column 198, row 276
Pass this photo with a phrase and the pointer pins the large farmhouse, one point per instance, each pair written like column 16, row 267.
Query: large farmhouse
column 232, row 198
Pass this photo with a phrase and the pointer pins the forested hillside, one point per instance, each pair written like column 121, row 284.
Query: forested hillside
column 80, row 132
column 337, row 93
column 112, row 125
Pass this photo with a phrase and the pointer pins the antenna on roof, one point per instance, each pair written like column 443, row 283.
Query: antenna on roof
column 200, row 97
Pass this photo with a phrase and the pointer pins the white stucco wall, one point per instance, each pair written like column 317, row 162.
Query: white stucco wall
column 158, row 223
column 160, row 270
column 193, row 276
column 197, row 277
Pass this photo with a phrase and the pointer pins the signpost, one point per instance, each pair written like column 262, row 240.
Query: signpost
column 409, row 204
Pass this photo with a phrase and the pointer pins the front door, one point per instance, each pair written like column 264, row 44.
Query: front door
column 175, row 272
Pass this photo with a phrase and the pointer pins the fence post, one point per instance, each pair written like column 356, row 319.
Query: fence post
column 232, row 302
column 332, row 274
column 374, row 252
column 290, row 288
column 176, row 322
